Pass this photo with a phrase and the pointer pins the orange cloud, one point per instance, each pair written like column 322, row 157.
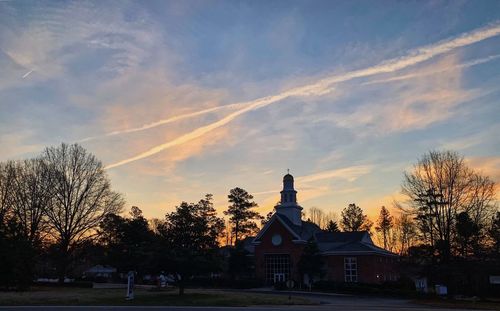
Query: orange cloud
column 489, row 166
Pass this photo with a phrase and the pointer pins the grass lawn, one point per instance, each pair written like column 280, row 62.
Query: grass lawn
column 88, row 296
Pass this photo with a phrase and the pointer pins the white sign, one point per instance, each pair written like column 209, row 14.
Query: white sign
column 494, row 279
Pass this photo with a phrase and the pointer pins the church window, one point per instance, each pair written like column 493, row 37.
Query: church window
column 277, row 268
column 351, row 269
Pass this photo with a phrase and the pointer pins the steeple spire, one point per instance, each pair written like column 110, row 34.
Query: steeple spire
column 288, row 205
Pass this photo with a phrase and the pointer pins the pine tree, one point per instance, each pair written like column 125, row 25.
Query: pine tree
column 311, row 261
column 242, row 217
column 353, row 219
column 385, row 223
column 332, row 226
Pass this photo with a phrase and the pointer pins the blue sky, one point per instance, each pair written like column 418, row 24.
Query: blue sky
column 183, row 98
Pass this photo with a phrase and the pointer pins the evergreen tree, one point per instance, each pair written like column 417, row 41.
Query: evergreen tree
column 129, row 242
column 241, row 217
column 385, row 222
column 353, row 219
column 494, row 233
column 311, row 261
column 332, row 226
column 265, row 220
column 467, row 233
column 190, row 234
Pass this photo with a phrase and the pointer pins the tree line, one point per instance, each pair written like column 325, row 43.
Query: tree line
column 58, row 212
column 52, row 203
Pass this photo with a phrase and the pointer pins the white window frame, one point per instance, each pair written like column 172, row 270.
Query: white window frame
column 350, row 269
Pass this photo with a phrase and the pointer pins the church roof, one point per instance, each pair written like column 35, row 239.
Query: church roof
column 358, row 242
column 329, row 243
column 301, row 233
column 288, row 176
column 341, row 237
column 305, row 232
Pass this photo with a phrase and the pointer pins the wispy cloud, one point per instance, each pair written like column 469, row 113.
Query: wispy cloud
column 434, row 70
column 163, row 122
column 489, row 166
column 311, row 189
column 321, row 87
column 349, row 173
column 409, row 104
column 473, row 140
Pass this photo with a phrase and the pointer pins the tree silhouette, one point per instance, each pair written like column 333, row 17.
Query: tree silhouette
column 384, row 225
column 190, row 235
column 467, row 233
column 81, row 198
column 311, row 261
column 440, row 187
column 241, row 216
column 332, row 226
column 353, row 219
column 494, row 233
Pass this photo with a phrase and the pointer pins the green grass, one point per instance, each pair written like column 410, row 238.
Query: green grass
column 88, row 296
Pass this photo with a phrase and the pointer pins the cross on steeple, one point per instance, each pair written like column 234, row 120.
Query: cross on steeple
column 288, row 171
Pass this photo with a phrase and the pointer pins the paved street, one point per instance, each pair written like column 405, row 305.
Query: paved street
column 355, row 306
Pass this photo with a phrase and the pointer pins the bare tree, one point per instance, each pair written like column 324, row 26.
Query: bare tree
column 316, row 215
column 30, row 197
column 321, row 218
column 82, row 197
column 405, row 232
column 6, row 186
column 439, row 187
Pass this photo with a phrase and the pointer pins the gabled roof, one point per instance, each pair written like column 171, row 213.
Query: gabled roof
column 358, row 242
column 284, row 221
column 305, row 232
column 300, row 233
column 329, row 243
column 342, row 237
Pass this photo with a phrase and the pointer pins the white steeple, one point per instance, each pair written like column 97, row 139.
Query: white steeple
column 288, row 206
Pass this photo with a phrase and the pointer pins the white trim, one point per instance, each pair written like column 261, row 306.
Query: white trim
column 268, row 224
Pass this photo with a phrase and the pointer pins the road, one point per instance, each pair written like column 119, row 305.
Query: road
column 274, row 308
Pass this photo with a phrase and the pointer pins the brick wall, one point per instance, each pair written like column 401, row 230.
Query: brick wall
column 286, row 247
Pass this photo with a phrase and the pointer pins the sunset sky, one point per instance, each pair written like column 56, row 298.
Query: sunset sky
column 183, row 98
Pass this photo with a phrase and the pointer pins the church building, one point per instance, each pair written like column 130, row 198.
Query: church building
column 347, row 256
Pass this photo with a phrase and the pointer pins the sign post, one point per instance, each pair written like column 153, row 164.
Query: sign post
column 290, row 283
column 130, row 285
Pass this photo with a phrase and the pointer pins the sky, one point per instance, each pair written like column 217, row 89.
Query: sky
column 183, row 98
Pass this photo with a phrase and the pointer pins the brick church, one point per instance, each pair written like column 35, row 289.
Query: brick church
column 347, row 256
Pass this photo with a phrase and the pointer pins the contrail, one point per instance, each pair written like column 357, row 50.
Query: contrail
column 322, row 86
column 27, row 74
column 413, row 75
column 162, row 122
column 256, row 104
column 350, row 173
